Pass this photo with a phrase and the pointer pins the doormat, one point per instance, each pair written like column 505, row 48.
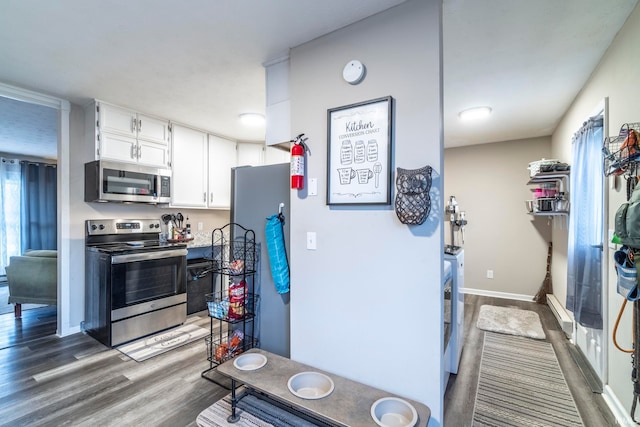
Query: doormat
column 253, row 412
column 154, row 345
column 512, row 321
column 521, row 384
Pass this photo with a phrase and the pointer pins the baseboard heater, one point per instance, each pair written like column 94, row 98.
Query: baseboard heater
column 561, row 315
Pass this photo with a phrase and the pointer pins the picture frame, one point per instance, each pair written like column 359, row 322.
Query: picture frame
column 359, row 138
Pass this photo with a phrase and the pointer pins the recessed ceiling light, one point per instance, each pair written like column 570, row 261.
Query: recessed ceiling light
column 252, row 119
column 475, row 113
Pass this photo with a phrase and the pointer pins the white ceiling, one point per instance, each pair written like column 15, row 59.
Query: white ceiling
column 202, row 65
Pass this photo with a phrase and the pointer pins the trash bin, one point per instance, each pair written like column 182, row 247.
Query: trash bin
column 200, row 281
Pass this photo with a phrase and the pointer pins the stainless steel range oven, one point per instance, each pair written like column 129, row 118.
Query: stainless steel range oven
column 134, row 284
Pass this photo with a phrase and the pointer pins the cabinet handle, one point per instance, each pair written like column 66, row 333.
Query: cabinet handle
column 204, row 197
column 133, row 151
column 133, row 124
column 140, row 125
column 139, row 151
column 211, row 197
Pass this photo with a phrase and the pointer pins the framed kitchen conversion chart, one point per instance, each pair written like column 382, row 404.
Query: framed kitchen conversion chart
column 359, row 153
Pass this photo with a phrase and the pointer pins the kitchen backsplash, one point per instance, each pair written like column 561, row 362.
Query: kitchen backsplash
column 200, row 238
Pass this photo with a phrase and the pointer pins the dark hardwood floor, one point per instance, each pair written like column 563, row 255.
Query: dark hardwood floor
column 75, row 380
column 34, row 324
column 461, row 390
column 49, row 381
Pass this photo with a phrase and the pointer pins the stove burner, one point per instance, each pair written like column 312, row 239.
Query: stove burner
column 117, row 236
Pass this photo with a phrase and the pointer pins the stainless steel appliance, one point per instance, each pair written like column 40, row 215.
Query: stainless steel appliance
column 256, row 193
column 122, row 182
column 134, row 284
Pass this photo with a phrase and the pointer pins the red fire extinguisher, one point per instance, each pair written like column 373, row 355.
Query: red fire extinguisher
column 297, row 162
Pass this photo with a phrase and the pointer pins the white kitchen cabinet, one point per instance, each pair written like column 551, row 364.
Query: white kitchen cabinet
column 201, row 169
column 189, row 167
column 250, row 154
column 222, row 157
column 127, row 136
column 274, row 155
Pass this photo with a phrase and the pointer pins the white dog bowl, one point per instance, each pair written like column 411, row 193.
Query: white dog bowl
column 310, row 385
column 393, row 412
column 250, row 361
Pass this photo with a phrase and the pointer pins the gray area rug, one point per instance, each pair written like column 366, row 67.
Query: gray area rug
column 521, row 384
column 512, row 321
column 154, row 345
column 253, row 412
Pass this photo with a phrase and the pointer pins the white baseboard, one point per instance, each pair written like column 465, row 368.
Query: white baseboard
column 619, row 412
column 562, row 316
column 69, row 331
column 504, row 295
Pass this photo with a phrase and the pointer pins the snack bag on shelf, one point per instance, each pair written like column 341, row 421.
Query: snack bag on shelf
column 222, row 352
column 235, row 342
column 236, row 267
column 237, row 295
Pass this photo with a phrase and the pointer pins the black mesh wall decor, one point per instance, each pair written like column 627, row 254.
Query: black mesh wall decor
column 412, row 198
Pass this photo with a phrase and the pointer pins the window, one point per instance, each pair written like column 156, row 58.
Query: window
column 10, row 180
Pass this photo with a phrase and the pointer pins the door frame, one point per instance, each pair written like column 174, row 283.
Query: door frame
column 63, row 202
column 602, row 371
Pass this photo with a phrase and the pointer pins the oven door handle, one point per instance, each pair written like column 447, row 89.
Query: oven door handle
column 147, row 256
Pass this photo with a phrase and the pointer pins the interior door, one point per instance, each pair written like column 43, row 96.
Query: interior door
column 592, row 342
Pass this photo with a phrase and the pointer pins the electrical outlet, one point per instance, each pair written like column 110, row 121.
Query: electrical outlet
column 199, row 226
column 489, row 274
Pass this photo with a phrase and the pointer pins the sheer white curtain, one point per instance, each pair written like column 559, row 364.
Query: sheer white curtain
column 9, row 211
column 584, row 258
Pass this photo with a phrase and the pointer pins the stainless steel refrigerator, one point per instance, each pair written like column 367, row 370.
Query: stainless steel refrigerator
column 256, row 193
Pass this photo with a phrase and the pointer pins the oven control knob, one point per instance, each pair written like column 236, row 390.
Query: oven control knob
column 101, row 226
column 94, row 227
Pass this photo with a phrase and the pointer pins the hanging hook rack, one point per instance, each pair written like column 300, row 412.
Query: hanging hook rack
column 280, row 215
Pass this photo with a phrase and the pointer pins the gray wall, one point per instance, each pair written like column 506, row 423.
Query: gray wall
column 367, row 304
column 489, row 182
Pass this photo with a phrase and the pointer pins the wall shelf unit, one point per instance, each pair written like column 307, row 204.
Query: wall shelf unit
column 551, row 195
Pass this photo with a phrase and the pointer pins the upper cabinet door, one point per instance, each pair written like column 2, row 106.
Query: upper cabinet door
column 152, row 129
column 222, row 157
column 153, row 154
column 189, row 166
column 117, row 120
column 115, row 146
column 274, row 155
column 250, row 154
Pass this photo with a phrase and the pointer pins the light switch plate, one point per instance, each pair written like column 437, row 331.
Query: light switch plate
column 313, row 186
column 311, row 240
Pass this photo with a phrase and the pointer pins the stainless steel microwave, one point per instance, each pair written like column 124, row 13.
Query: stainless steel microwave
column 106, row 181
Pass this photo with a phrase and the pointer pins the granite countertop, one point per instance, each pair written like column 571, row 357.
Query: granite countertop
column 348, row 404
